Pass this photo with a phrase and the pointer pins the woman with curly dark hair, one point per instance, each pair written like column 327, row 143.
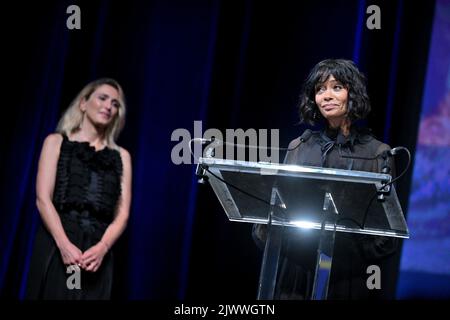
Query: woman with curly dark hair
column 346, row 80
column 333, row 94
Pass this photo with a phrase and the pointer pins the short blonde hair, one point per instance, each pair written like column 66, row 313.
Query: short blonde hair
column 71, row 119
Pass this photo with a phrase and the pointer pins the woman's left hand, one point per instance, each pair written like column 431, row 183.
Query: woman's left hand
column 93, row 257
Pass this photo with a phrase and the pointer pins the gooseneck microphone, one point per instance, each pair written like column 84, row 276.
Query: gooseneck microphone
column 303, row 138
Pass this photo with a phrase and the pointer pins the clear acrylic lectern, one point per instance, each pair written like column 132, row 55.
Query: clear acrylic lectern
column 330, row 200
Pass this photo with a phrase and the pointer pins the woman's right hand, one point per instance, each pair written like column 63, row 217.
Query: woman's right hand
column 45, row 185
column 70, row 254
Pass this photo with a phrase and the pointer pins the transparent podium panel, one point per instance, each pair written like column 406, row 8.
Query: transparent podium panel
column 330, row 200
column 245, row 191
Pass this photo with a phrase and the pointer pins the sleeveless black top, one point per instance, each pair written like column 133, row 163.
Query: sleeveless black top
column 87, row 180
column 86, row 194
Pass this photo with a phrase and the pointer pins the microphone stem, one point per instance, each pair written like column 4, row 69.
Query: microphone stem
column 356, row 157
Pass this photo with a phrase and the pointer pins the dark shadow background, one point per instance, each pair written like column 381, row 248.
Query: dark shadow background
column 230, row 64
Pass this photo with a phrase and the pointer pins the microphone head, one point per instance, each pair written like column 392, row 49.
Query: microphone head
column 306, row 135
column 394, row 151
column 389, row 152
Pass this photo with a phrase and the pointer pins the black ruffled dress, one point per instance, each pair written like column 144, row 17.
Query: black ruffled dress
column 87, row 190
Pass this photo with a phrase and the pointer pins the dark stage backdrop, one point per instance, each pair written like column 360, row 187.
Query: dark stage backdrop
column 229, row 64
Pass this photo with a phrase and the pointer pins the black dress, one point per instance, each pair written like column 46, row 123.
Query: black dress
column 353, row 253
column 86, row 193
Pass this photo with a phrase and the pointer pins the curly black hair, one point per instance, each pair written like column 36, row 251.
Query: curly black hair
column 344, row 71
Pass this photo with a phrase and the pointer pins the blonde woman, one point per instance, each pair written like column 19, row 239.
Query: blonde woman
column 83, row 193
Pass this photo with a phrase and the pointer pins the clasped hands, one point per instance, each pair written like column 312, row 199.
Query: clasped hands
column 90, row 260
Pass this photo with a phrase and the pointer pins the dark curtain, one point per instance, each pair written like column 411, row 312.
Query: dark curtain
column 230, row 64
